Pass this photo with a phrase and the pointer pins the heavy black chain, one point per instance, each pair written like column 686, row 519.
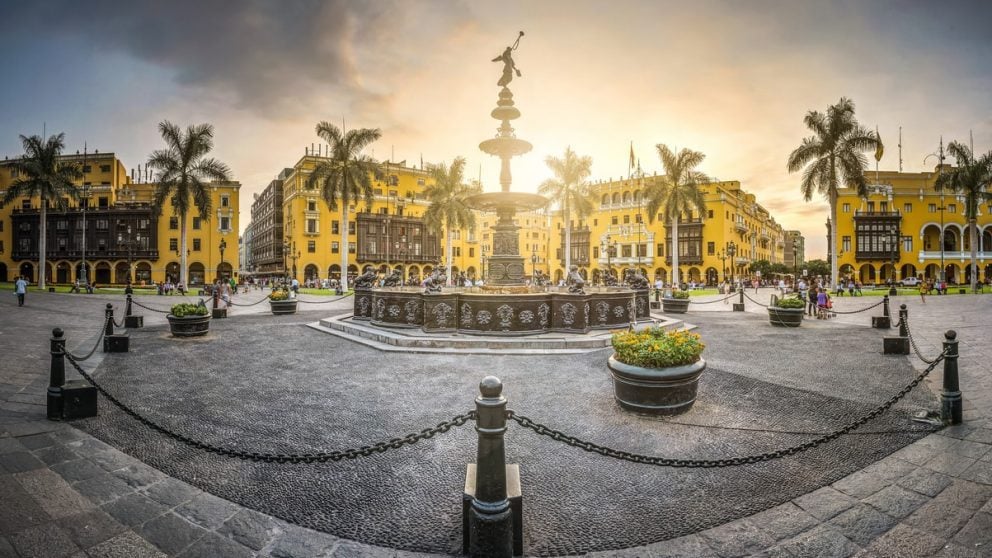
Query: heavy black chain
column 712, row 301
column 317, row 457
column 324, row 301
column 263, row 299
column 912, row 342
column 120, row 323
column 710, row 463
column 103, row 331
column 136, row 303
column 879, row 303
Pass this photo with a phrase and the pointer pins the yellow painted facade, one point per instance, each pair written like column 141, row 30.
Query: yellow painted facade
column 618, row 235
column 114, row 203
column 895, row 232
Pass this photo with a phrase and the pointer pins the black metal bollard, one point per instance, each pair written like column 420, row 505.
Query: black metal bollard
column 114, row 342
column 950, row 395
column 739, row 306
column 127, row 306
column 490, row 517
column 216, row 297
column 885, row 320
column 898, row 345
column 131, row 321
column 218, row 313
column 109, row 320
column 903, row 318
column 56, row 402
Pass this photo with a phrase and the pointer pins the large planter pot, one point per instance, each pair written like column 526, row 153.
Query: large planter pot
column 188, row 326
column 785, row 317
column 657, row 391
column 675, row 305
column 283, row 306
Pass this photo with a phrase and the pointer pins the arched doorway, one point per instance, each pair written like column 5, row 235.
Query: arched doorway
column 867, row 274
column 48, row 272
column 931, row 237
column 693, row 276
column 101, row 274
column 172, row 272
column 3, row 273
column 846, row 271
column 27, row 272
column 143, row 273
column 712, row 277
column 471, row 273
column 988, row 273
column 931, row 272
column 887, row 273
column 413, row 273
column 952, row 239
column 968, row 270
column 121, row 273
column 661, row 273
column 597, row 276
column 986, row 245
column 225, row 271
column 951, row 273
column 197, row 274
column 63, row 273
column 311, row 273
column 908, row 270
column 352, row 272
column 334, row 272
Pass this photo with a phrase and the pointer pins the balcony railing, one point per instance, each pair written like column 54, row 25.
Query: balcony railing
column 740, row 226
column 868, row 213
column 956, row 255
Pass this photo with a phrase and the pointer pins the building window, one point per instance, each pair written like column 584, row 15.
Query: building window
column 846, row 244
column 471, row 252
column 86, row 168
column 907, row 244
column 174, row 244
column 709, row 213
column 626, row 219
column 311, row 205
column 907, row 208
column 335, row 227
column 710, row 248
column 595, row 222
column 953, row 208
column 595, row 252
column 26, row 204
column 143, row 224
column 312, row 246
column 457, row 251
column 932, row 208
column 311, row 226
column 173, row 223
column 225, row 201
column 642, row 250
column 614, row 220
column 661, row 250
column 335, row 247
column 103, row 201
column 102, row 224
column 625, row 250
column 351, row 248
column 225, row 224
column 351, row 228
column 196, row 223
column 196, row 244
column 104, row 168
column 871, row 207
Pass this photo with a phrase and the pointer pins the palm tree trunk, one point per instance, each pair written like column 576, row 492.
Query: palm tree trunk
column 345, row 246
column 833, row 238
column 183, row 272
column 973, row 234
column 448, row 251
column 675, row 254
column 42, row 243
column 568, row 237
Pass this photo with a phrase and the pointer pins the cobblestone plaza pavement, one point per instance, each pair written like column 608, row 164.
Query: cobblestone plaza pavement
column 109, row 486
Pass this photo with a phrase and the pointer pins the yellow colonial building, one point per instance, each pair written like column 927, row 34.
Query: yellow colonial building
column 115, row 231
column 618, row 235
column 906, row 228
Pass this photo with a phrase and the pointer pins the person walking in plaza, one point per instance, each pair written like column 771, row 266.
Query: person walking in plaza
column 20, row 289
column 811, row 306
column 923, row 291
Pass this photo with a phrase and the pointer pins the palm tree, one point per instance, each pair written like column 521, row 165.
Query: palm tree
column 43, row 174
column 835, row 153
column 345, row 176
column 970, row 178
column 183, row 174
column 570, row 190
column 448, row 209
column 676, row 193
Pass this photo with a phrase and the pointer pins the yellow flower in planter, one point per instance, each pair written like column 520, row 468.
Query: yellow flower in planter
column 279, row 295
column 657, row 348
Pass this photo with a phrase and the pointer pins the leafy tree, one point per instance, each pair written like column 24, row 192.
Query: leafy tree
column 569, row 190
column 816, row 268
column 346, row 176
column 677, row 193
column 833, row 158
column 764, row 266
column 970, row 178
column 43, row 175
column 184, row 173
column 448, row 209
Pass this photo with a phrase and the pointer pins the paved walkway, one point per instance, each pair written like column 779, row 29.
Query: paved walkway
column 65, row 493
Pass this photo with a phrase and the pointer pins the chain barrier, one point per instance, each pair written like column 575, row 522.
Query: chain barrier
column 728, row 297
column 136, row 303
column 879, row 303
column 103, row 331
column 120, row 323
column 264, row 457
column 263, row 299
column 324, row 301
column 755, row 301
column 727, row 462
column 912, row 342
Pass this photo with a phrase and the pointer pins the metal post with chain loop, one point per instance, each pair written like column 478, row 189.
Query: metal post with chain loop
column 884, row 321
column 898, row 345
column 950, row 395
column 490, row 518
column 114, row 342
column 131, row 321
column 57, row 375
column 739, row 306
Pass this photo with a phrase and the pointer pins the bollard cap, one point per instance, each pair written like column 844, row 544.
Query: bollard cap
column 902, row 306
column 109, row 306
column 490, row 387
column 57, row 332
column 950, row 335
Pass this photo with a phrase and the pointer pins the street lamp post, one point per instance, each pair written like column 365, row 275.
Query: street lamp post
column 128, row 242
column 611, row 250
column 533, row 265
column 894, row 250
column 223, row 245
column 723, row 262
column 731, row 253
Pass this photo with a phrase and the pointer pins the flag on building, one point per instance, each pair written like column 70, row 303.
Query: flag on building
column 880, row 149
column 631, row 154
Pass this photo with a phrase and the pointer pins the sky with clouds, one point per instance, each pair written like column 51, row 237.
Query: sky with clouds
column 732, row 79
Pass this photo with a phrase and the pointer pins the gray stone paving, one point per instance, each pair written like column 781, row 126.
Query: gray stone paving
column 941, row 508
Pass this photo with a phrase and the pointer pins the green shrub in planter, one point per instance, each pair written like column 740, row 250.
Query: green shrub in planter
column 791, row 303
column 185, row 309
column 681, row 295
column 657, row 348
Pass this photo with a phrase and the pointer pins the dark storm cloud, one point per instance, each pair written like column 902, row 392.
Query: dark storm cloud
column 266, row 56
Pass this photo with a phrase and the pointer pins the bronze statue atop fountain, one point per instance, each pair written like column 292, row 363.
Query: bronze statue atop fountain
column 367, row 280
column 575, row 281
column 394, row 279
column 436, row 280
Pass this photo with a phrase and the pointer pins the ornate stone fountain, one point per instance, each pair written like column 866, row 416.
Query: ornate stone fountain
column 505, row 305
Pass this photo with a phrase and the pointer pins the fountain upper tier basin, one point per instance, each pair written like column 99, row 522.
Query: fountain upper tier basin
column 505, row 147
column 492, row 201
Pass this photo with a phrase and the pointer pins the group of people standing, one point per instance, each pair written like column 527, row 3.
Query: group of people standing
column 817, row 297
